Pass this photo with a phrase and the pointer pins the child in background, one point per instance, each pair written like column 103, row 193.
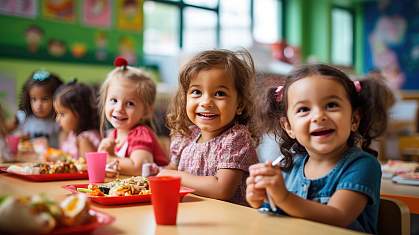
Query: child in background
column 5, row 154
column 75, row 104
column 126, row 100
column 211, row 124
column 36, row 117
column 329, row 173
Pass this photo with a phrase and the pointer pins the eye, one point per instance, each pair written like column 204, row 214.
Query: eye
column 302, row 110
column 332, row 105
column 113, row 100
column 130, row 104
column 195, row 92
column 33, row 99
column 220, row 93
column 45, row 98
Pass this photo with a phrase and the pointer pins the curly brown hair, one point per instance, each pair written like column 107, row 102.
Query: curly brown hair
column 145, row 86
column 239, row 65
column 372, row 103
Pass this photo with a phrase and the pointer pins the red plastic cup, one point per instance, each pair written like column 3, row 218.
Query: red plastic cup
column 165, row 198
column 96, row 163
column 12, row 143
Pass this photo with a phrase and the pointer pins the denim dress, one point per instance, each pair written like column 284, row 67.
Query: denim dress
column 357, row 171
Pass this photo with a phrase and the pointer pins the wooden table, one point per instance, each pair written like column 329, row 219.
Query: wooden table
column 196, row 215
column 405, row 193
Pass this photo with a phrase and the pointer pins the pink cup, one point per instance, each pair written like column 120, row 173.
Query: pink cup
column 96, row 163
column 165, row 198
column 12, row 143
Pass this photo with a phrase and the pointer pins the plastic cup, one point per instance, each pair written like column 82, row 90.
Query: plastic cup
column 96, row 163
column 165, row 198
column 12, row 143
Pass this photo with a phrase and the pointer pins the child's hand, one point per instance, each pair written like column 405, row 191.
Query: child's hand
column 269, row 178
column 112, row 168
column 254, row 196
column 107, row 145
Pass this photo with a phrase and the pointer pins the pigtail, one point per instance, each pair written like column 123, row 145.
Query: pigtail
column 374, row 101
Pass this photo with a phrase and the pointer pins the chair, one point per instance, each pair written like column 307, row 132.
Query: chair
column 409, row 147
column 393, row 217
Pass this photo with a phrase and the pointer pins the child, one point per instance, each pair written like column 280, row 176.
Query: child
column 326, row 123
column 126, row 100
column 75, row 104
column 211, row 124
column 36, row 115
column 5, row 154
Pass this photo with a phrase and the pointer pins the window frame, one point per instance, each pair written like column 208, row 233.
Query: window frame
column 352, row 14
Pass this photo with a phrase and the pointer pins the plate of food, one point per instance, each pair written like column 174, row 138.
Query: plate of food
column 410, row 178
column 120, row 191
column 61, row 170
column 42, row 215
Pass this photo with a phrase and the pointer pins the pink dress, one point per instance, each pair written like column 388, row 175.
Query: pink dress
column 142, row 137
column 233, row 149
column 69, row 145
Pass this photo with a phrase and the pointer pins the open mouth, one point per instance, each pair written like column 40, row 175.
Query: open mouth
column 207, row 115
column 322, row 132
column 119, row 118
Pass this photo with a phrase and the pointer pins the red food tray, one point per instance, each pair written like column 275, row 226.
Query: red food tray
column 49, row 177
column 101, row 219
column 119, row 200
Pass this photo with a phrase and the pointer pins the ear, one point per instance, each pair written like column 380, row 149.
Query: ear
column 287, row 127
column 356, row 118
column 239, row 111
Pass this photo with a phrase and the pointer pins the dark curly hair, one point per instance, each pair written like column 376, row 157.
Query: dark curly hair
column 81, row 100
column 239, row 65
column 372, row 103
column 50, row 82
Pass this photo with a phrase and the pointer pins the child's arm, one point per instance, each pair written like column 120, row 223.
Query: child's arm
column 221, row 186
column 84, row 146
column 11, row 124
column 133, row 164
column 342, row 209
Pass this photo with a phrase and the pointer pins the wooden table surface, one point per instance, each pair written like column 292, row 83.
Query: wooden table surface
column 405, row 193
column 196, row 215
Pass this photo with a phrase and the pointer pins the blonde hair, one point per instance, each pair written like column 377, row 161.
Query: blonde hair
column 239, row 65
column 145, row 86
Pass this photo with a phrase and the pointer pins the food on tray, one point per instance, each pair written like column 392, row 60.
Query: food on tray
column 38, row 214
column 65, row 166
column 395, row 167
column 52, row 155
column 410, row 176
column 137, row 185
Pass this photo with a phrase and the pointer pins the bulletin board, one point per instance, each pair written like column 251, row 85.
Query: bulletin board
column 90, row 31
column 392, row 41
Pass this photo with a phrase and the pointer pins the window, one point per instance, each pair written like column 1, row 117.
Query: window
column 171, row 25
column 342, row 37
column 267, row 21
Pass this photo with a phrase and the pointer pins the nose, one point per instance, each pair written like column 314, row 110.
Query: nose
column 119, row 107
column 319, row 116
column 206, row 101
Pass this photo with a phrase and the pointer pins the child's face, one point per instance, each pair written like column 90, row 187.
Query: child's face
column 66, row 118
column 41, row 101
column 320, row 115
column 211, row 102
column 124, row 108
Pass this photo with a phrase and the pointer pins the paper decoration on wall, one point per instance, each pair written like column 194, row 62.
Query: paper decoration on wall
column 78, row 49
column 97, row 13
column 101, row 41
column 56, row 48
column 25, row 8
column 33, row 36
column 63, row 10
column 129, row 15
column 126, row 46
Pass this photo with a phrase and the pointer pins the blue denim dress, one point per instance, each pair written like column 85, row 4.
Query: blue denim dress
column 357, row 171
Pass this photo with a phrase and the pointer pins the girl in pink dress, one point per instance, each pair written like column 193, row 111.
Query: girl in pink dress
column 213, row 134
column 126, row 101
column 75, row 104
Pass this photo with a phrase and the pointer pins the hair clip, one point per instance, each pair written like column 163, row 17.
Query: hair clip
column 279, row 93
column 358, row 86
column 40, row 75
column 120, row 62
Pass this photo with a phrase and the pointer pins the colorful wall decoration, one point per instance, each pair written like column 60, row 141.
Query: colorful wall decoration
column 71, row 31
column 392, row 41
column 129, row 15
column 23, row 8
